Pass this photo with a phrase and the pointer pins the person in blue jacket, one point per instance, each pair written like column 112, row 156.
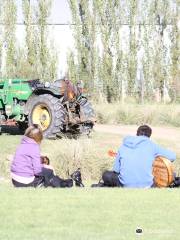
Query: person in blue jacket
column 133, row 164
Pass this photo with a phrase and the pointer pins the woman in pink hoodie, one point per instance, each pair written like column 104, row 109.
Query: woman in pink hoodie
column 26, row 166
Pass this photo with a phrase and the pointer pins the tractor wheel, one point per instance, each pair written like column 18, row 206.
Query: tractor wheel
column 88, row 113
column 48, row 112
column 87, row 109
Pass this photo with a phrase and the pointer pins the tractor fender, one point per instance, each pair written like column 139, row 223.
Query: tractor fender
column 38, row 92
column 53, row 91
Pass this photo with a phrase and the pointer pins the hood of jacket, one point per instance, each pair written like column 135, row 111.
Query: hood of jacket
column 134, row 141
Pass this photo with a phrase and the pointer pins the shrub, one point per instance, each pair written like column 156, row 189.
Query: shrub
column 155, row 114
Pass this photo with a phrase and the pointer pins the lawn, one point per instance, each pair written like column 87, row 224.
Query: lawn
column 85, row 213
column 44, row 214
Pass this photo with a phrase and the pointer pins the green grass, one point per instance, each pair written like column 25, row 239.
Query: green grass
column 44, row 214
column 87, row 213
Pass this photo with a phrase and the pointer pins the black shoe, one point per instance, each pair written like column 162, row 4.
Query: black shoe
column 99, row 184
column 175, row 183
column 76, row 177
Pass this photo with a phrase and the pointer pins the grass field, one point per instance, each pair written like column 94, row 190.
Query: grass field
column 44, row 214
column 101, row 214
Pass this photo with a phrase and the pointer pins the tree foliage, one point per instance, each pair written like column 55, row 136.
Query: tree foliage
column 134, row 45
column 9, row 19
column 36, row 58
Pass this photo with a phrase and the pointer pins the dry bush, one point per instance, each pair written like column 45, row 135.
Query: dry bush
column 67, row 155
column 154, row 114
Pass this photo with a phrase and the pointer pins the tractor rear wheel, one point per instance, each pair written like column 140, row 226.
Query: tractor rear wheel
column 87, row 115
column 48, row 112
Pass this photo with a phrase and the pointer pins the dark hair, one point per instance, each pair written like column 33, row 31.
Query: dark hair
column 144, row 130
column 45, row 160
column 34, row 132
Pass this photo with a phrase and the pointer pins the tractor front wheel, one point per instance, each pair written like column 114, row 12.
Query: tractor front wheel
column 48, row 112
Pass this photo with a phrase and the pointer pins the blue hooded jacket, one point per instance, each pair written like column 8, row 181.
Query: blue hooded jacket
column 134, row 161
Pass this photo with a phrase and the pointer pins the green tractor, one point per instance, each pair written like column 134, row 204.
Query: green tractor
column 60, row 107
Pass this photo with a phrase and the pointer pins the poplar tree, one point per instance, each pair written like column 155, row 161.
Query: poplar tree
column 27, row 54
column 146, row 39
column 132, row 61
column 47, row 58
column 105, row 23
column 159, row 61
column 119, row 83
column 43, row 14
column 175, row 55
column 138, row 65
column 9, row 22
column 84, row 32
column 121, row 55
column 1, row 39
column 72, row 67
column 31, row 41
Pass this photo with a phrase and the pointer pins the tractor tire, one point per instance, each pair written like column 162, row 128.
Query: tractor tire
column 48, row 112
column 88, row 112
column 87, row 109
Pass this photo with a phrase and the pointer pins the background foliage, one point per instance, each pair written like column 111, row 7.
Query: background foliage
column 127, row 48
column 36, row 57
column 122, row 49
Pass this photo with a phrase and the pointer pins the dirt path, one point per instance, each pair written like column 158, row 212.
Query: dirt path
column 170, row 133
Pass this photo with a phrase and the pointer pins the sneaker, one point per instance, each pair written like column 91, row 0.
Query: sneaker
column 76, row 177
column 99, row 184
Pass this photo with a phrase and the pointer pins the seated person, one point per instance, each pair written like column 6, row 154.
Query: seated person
column 51, row 179
column 134, row 160
column 46, row 163
column 26, row 166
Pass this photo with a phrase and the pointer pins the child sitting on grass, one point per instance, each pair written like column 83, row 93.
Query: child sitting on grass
column 46, row 163
column 50, row 177
column 28, row 168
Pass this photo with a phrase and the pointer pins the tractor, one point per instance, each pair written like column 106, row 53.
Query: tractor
column 59, row 108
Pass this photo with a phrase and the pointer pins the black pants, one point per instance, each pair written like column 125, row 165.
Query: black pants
column 38, row 181
column 47, row 179
column 111, row 179
column 50, row 180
